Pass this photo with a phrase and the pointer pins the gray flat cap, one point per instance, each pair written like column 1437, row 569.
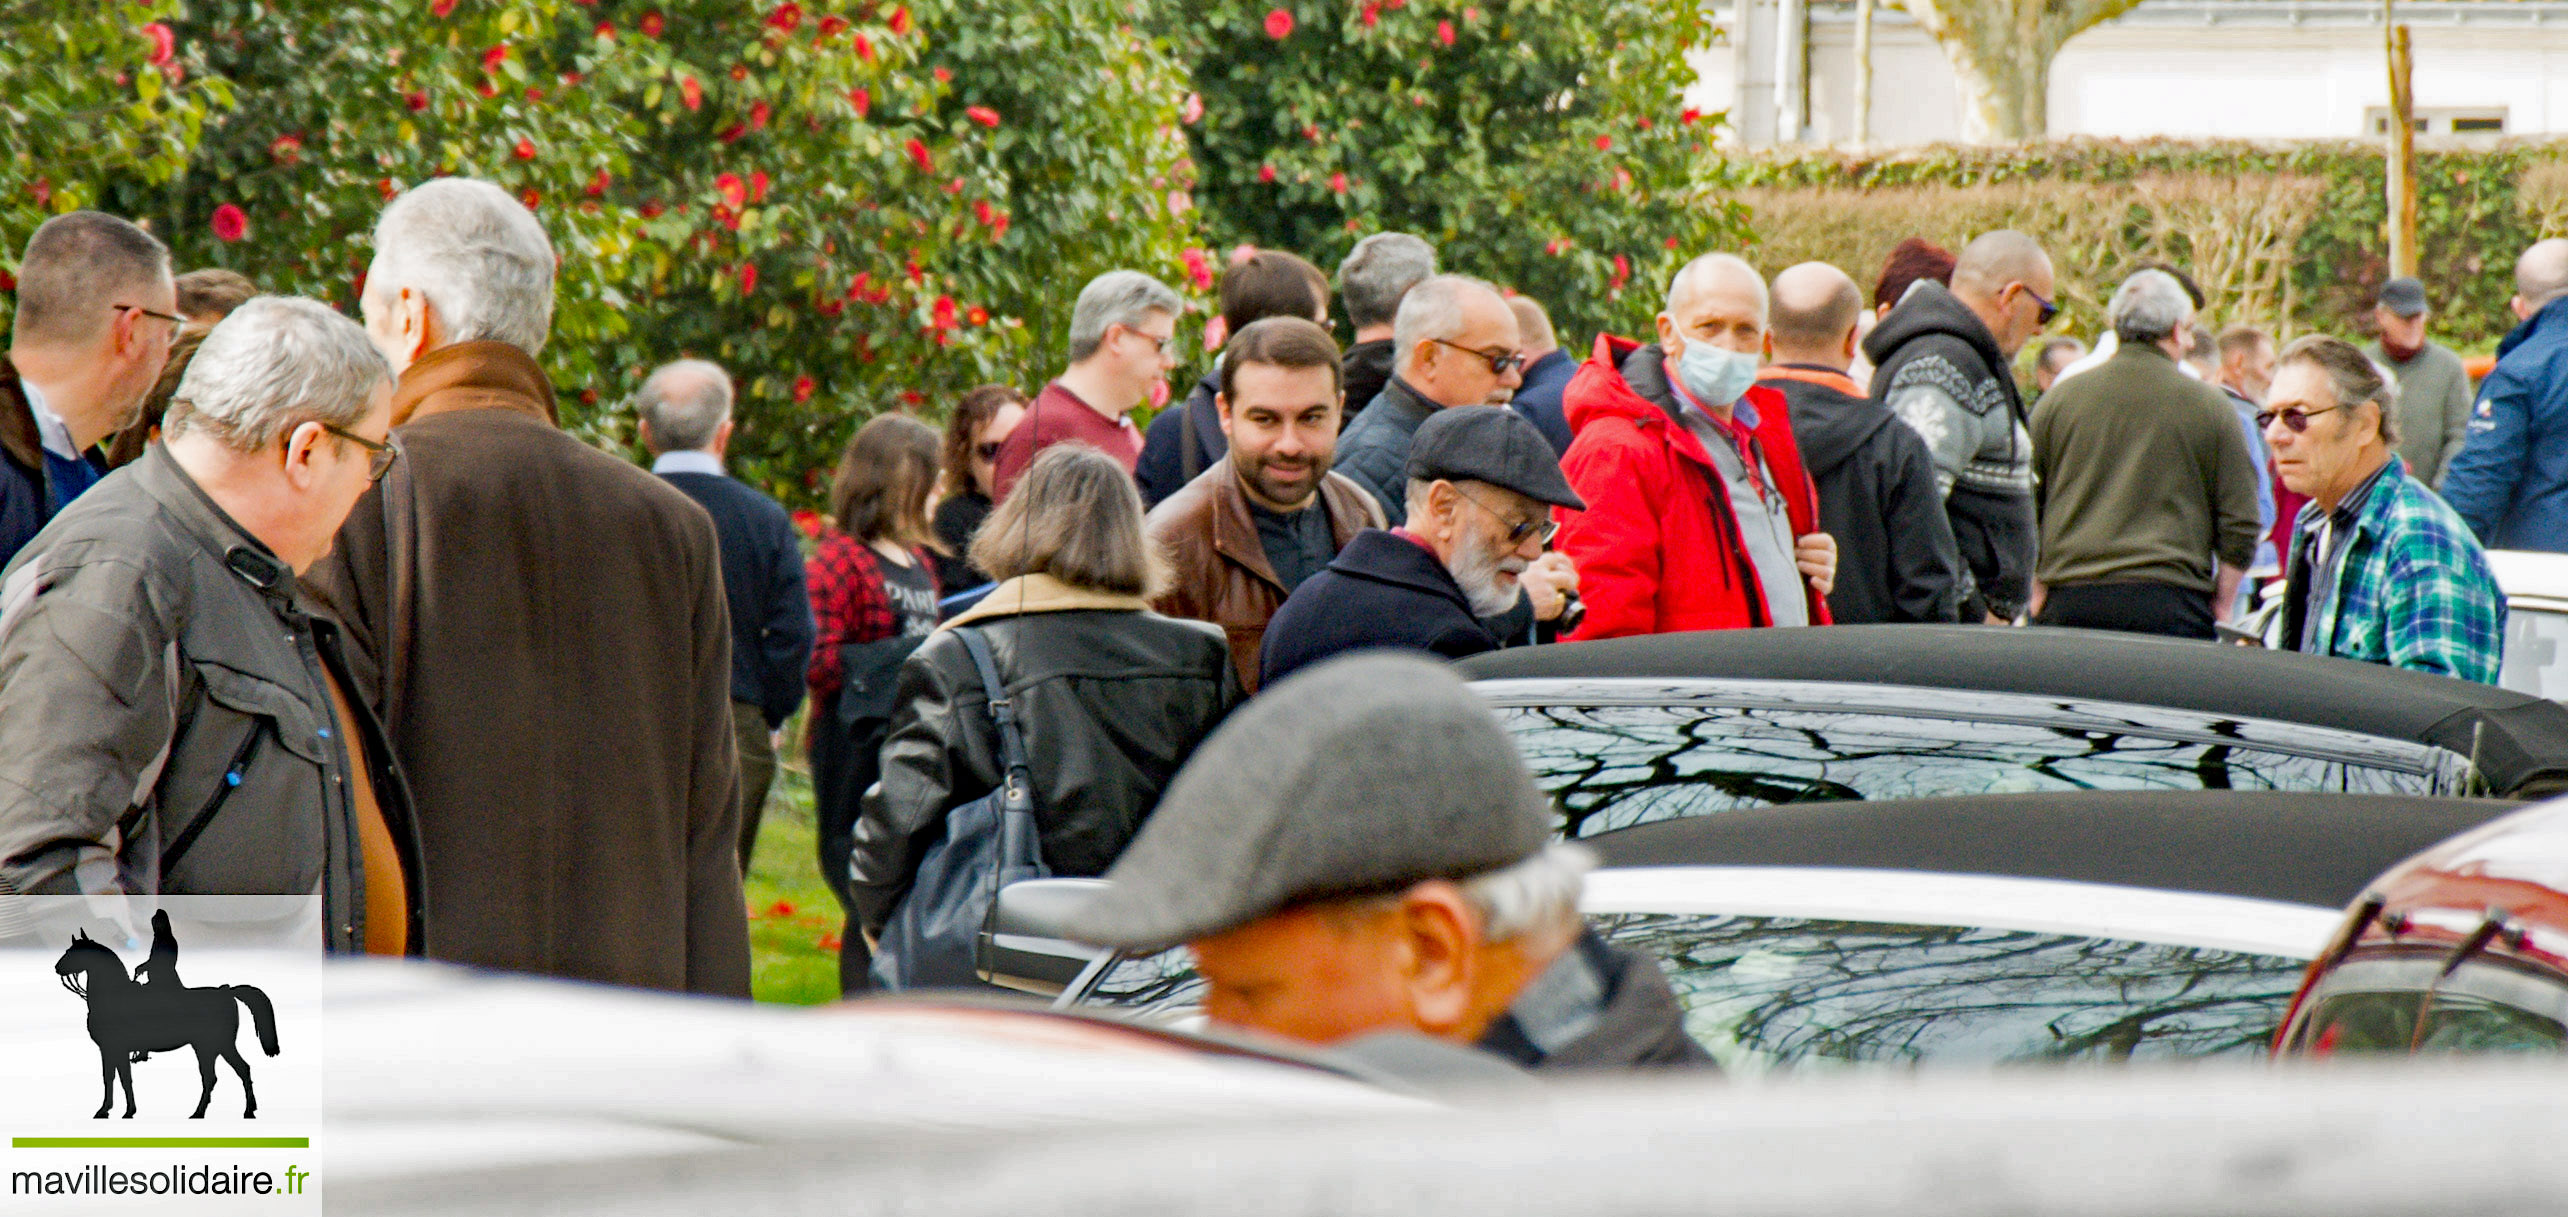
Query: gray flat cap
column 1364, row 774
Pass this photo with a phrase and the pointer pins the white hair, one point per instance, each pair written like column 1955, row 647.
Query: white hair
column 1706, row 262
column 1378, row 274
column 686, row 403
column 277, row 362
column 476, row 254
column 2148, row 306
column 1117, row 297
column 1535, row 895
column 1433, row 309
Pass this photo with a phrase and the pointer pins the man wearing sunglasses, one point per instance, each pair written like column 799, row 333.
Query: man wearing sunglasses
column 1458, row 346
column 156, row 642
column 1941, row 362
column 96, row 314
column 2145, row 486
column 1480, row 486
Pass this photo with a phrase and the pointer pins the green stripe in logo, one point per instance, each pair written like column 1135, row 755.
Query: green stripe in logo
column 160, row 1142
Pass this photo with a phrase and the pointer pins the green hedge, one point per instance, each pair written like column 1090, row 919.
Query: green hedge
column 2477, row 209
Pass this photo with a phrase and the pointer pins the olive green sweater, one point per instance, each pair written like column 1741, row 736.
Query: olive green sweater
column 2140, row 474
column 2434, row 408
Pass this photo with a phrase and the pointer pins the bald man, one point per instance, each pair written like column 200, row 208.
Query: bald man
column 2510, row 479
column 1699, row 513
column 1941, row 362
column 1875, row 479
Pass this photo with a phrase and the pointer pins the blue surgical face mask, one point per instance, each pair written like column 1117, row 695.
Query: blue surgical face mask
column 1715, row 377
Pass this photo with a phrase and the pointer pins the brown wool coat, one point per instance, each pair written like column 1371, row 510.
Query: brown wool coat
column 543, row 629
column 1218, row 570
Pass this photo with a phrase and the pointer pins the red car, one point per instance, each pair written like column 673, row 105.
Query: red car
column 2463, row 948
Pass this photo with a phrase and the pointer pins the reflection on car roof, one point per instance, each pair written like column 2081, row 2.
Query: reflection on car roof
column 2319, row 849
column 2517, row 739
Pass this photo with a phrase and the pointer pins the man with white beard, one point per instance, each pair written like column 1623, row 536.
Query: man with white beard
column 1480, row 483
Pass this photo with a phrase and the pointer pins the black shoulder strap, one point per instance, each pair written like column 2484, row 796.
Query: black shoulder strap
column 1012, row 755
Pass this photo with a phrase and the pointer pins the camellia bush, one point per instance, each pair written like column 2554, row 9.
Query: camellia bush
column 1542, row 144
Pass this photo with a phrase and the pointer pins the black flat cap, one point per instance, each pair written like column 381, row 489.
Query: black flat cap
column 1364, row 774
column 2405, row 297
column 1491, row 444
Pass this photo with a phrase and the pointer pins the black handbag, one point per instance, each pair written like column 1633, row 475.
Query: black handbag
column 988, row 844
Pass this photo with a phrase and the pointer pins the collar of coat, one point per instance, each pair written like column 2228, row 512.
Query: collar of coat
column 473, row 376
column 1040, row 593
column 1235, row 529
column 161, row 476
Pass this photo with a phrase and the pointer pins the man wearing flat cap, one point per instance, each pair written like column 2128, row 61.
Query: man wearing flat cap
column 2434, row 389
column 1395, row 874
column 1480, row 486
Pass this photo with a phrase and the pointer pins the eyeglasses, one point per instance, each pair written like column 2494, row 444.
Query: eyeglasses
column 2049, row 310
column 1158, row 345
column 988, row 451
column 176, row 322
column 380, row 455
column 1499, row 365
column 2295, row 418
column 1541, row 530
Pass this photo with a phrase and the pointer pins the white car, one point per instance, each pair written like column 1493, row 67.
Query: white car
column 2536, row 588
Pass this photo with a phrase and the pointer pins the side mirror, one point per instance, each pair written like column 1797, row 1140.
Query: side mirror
column 1022, row 945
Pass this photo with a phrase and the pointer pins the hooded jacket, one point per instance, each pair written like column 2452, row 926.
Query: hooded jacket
column 1939, row 369
column 2510, row 478
column 1896, row 561
column 1658, row 549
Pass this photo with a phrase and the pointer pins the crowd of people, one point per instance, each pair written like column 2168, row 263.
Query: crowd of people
column 294, row 603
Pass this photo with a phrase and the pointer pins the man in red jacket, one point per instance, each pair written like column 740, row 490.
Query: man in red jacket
column 1699, row 513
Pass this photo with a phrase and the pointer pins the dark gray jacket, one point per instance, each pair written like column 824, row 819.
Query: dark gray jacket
column 166, row 723
column 1375, row 450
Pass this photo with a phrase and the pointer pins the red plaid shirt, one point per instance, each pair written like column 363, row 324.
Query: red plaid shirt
column 845, row 576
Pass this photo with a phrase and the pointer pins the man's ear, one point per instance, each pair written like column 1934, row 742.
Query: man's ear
column 722, row 436
column 642, row 432
column 302, row 450
column 1667, row 336
column 1221, row 410
column 1853, row 343
column 1439, row 939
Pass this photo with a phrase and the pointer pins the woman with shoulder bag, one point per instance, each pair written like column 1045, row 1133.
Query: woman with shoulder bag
column 1108, row 697
column 873, row 599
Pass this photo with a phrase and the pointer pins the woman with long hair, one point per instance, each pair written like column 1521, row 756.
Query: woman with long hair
column 981, row 420
column 1111, row 697
column 873, row 597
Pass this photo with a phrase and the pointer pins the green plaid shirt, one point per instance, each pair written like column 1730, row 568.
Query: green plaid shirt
column 2409, row 588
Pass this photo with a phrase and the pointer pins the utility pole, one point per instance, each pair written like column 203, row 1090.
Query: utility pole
column 1863, row 71
column 1791, row 70
column 2402, row 150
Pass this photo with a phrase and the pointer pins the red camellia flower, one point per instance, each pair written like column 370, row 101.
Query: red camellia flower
column 740, row 71
column 534, row 94
column 418, row 101
column 287, row 149
column 1199, row 269
column 164, row 43
column 1671, row 242
column 1279, row 24
column 230, row 223
column 1001, row 228
column 651, row 210
column 831, row 24
column 487, row 89
column 1471, row 14
column 690, row 94
column 757, row 185
column 900, row 21
column 787, row 17
column 982, row 211
column 864, row 47
column 598, row 184
column 651, row 24
column 977, row 315
column 803, row 385
column 943, row 314
column 388, row 187
column 748, row 278
column 492, row 58
column 733, row 191
column 807, row 520
column 442, row 7
column 1689, row 116
column 1604, row 143
column 1555, row 247
column 525, row 149
column 1191, row 110
column 606, row 30
column 758, row 116
column 919, row 156
column 531, row 197
column 942, row 76
column 1622, row 271
column 862, row 100
column 1266, row 173
column 1372, row 14
column 1444, row 32
column 1337, row 183
column 983, row 115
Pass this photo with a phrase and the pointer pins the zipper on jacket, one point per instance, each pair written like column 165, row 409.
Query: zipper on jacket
column 232, row 777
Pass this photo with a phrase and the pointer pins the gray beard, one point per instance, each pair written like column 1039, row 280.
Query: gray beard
column 1475, row 569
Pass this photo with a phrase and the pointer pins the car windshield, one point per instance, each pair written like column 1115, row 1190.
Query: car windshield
column 1610, row 766
column 1781, row 993
column 2407, row 1003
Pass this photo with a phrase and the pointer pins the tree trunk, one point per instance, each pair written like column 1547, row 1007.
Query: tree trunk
column 2006, row 89
column 1863, row 71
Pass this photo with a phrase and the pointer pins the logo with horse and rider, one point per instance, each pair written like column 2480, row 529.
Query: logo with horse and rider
column 148, row 1010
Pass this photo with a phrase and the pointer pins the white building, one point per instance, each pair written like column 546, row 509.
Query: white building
column 2253, row 69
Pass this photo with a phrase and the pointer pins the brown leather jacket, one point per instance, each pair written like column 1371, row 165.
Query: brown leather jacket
column 1219, row 572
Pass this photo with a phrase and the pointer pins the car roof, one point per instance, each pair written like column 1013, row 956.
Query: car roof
column 2516, row 738
column 2528, row 573
column 2518, row 864
column 2303, row 848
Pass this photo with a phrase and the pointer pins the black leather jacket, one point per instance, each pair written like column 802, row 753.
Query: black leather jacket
column 1111, row 701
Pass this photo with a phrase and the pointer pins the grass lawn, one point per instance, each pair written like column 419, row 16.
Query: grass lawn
column 794, row 921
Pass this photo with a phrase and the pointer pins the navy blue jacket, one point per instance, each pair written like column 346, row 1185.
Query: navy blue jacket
column 1381, row 591
column 1538, row 399
column 1163, row 470
column 762, row 577
column 2509, row 481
